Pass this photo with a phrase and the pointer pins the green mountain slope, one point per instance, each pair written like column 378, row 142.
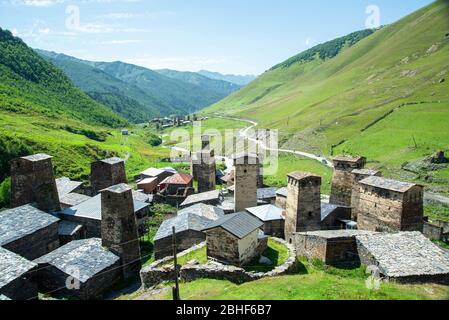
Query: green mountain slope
column 236, row 79
column 182, row 97
column 29, row 84
column 125, row 99
column 219, row 86
column 42, row 111
column 324, row 105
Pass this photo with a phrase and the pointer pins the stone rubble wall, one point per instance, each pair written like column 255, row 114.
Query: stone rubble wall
column 154, row 274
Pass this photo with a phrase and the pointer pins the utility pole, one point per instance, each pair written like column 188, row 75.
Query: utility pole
column 176, row 295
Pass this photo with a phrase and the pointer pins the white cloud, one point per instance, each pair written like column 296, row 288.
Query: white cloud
column 116, row 42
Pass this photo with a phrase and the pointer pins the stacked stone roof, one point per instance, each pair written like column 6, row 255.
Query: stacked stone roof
column 387, row 184
column 12, row 266
column 239, row 224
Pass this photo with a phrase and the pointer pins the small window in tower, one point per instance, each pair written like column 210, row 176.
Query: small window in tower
column 245, row 171
column 310, row 215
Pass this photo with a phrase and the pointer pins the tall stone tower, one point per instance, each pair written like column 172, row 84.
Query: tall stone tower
column 107, row 173
column 205, row 142
column 119, row 227
column 246, row 169
column 357, row 176
column 196, row 158
column 33, row 181
column 303, row 212
column 206, row 171
column 342, row 180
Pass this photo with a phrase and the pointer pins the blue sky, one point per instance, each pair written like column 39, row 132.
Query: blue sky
column 228, row 36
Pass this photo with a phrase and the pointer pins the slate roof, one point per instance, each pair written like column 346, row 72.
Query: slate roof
column 66, row 186
column 388, row 184
column 182, row 222
column 327, row 209
column 347, row 159
column 367, row 172
column 147, row 180
column 239, row 224
column 37, row 157
column 86, row 256
column 302, row 175
column 3, row 298
column 91, row 208
column 12, row 266
column 204, row 210
column 152, row 172
column 118, row 188
column 336, row 234
column 266, row 193
column 68, row 228
column 267, row 213
column 201, row 197
column 112, row 160
column 73, row 199
column 405, row 254
column 22, row 221
column 282, row 192
column 142, row 197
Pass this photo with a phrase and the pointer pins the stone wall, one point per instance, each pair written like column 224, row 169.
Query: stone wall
column 154, row 275
column 343, row 179
column 245, row 182
column 274, row 228
column 303, row 212
column 281, row 202
column 107, row 173
column 119, row 227
column 206, row 171
column 390, row 211
column 355, row 193
column 33, row 181
column 186, row 239
column 20, row 288
column 223, row 246
column 36, row 244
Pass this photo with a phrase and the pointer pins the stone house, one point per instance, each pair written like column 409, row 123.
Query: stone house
column 15, row 277
column 273, row 219
column 83, row 262
column 404, row 257
column 281, row 198
column 88, row 214
column 148, row 185
column 357, row 176
column 235, row 239
column 160, row 174
column 333, row 247
column 189, row 232
column 436, row 230
column 33, row 181
column 390, row 205
column 69, row 231
column 342, row 180
column 28, row 232
column 266, row 195
column 333, row 215
column 176, row 183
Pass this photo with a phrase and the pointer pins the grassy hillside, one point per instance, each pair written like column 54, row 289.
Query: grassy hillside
column 42, row 111
column 127, row 100
column 324, row 104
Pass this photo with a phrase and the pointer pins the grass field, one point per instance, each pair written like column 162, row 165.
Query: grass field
column 314, row 281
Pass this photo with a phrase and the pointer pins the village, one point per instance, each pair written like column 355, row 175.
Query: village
column 68, row 240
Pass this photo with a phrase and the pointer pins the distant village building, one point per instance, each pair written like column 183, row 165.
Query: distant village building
column 125, row 132
column 119, row 231
column 160, row 174
column 88, row 214
column 73, row 199
column 404, row 257
column 389, row 205
column 69, row 231
column 107, row 173
column 303, row 211
column 246, row 168
column 342, row 180
column 206, row 171
column 267, row 195
column 436, row 230
column 334, row 217
column 85, row 263
column 357, row 176
column 235, row 239
column 28, row 232
column 273, row 219
column 15, row 277
column 333, row 247
column 33, row 181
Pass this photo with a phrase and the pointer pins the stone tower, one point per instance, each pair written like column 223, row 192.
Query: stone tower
column 196, row 158
column 246, row 169
column 303, row 212
column 33, row 181
column 205, row 142
column 119, row 227
column 357, row 176
column 206, row 171
column 342, row 180
column 107, row 173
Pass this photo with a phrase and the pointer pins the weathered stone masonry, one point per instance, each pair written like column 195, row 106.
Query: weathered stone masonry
column 342, row 180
